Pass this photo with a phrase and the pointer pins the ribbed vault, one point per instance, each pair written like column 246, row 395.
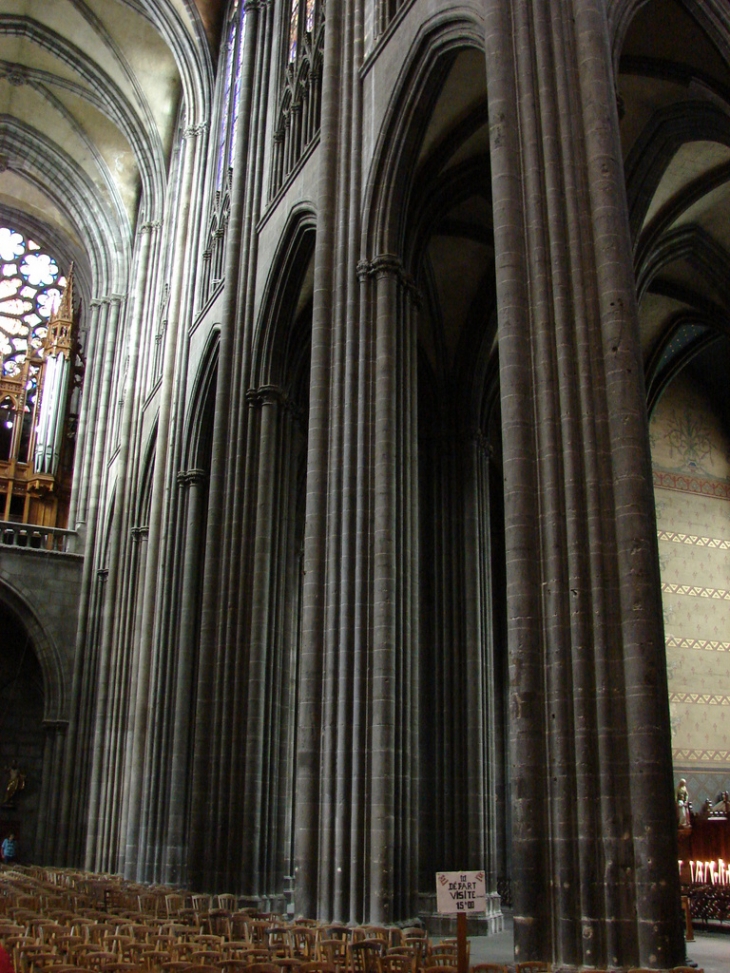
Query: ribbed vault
column 90, row 92
column 674, row 95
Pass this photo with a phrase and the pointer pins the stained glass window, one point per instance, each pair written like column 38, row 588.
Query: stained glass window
column 231, row 90
column 30, row 290
column 301, row 20
column 293, row 29
column 300, row 98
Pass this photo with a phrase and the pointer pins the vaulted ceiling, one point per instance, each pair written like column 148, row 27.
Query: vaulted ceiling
column 674, row 94
column 89, row 97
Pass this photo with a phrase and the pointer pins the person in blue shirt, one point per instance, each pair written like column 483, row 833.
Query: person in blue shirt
column 9, row 848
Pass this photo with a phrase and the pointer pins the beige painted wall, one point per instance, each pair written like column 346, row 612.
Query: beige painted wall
column 691, row 465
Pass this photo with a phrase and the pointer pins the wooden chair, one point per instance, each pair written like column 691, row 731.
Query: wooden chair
column 418, row 946
column 239, row 926
column 175, row 965
column 334, row 952
column 278, row 942
column 205, row 957
column 303, row 940
column 233, row 965
column 151, row 904
column 258, row 930
column 95, row 959
column 288, row 964
column 226, row 900
column 37, row 959
column 533, row 966
column 365, row 955
column 398, row 963
column 201, row 904
column 686, row 969
column 218, row 922
column 493, row 968
column 235, row 949
column 318, row 966
column 443, row 954
column 441, row 969
column 257, row 955
column 149, row 958
column 336, row 930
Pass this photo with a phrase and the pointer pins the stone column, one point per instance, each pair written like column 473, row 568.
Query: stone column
column 77, row 756
column 215, row 609
column 194, row 485
column 89, row 401
column 138, row 778
column 47, row 834
column 100, row 754
column 594, row 839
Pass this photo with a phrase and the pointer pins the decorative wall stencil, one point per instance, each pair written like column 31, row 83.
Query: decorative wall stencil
column 707, row 698
column 691, row 484
column 686, row 437
column 692, row 491
column 702, row 785
column 689, row 437
column 716, row 542
column 693, row 591
column 714, row 755
column 706, row 646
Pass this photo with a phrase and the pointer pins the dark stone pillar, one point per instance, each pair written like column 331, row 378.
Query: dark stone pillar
column 594, row 838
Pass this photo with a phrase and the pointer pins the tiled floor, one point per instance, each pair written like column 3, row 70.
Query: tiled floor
column 710, row 950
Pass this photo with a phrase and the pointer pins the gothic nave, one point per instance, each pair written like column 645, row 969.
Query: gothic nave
column 365, row 452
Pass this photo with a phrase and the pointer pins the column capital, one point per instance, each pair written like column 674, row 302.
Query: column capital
column 186, row 478
column 54, row 726
column 267, row 395
column 387, row 266
column 193, row 131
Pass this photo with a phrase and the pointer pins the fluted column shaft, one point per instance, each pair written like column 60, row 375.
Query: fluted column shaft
column 178, row 319
column 215, row 605
column 307, row 822
column 79, row 726
column 83, row 455
column 99, row 752
column 194, row 483
column 588, row 718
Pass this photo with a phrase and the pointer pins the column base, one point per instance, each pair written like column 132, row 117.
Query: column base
column 484, row 924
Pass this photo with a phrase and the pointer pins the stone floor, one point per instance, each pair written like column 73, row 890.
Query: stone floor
column 710, row 950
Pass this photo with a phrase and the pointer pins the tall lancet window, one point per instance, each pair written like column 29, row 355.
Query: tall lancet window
column 386, row 11
column 229, row 79
column 231, row 92
column 299, row 111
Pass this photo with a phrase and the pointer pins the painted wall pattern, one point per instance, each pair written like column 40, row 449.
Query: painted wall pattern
column 691, row 469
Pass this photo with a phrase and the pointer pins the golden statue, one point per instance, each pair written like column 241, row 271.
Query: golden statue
column 15, row 783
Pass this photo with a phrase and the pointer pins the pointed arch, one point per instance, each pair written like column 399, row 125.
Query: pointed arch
column 277, row 335
column 197, row 450
column 416, row 90
column 55, row 690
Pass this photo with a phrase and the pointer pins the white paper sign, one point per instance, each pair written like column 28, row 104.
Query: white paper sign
column 460, row 892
